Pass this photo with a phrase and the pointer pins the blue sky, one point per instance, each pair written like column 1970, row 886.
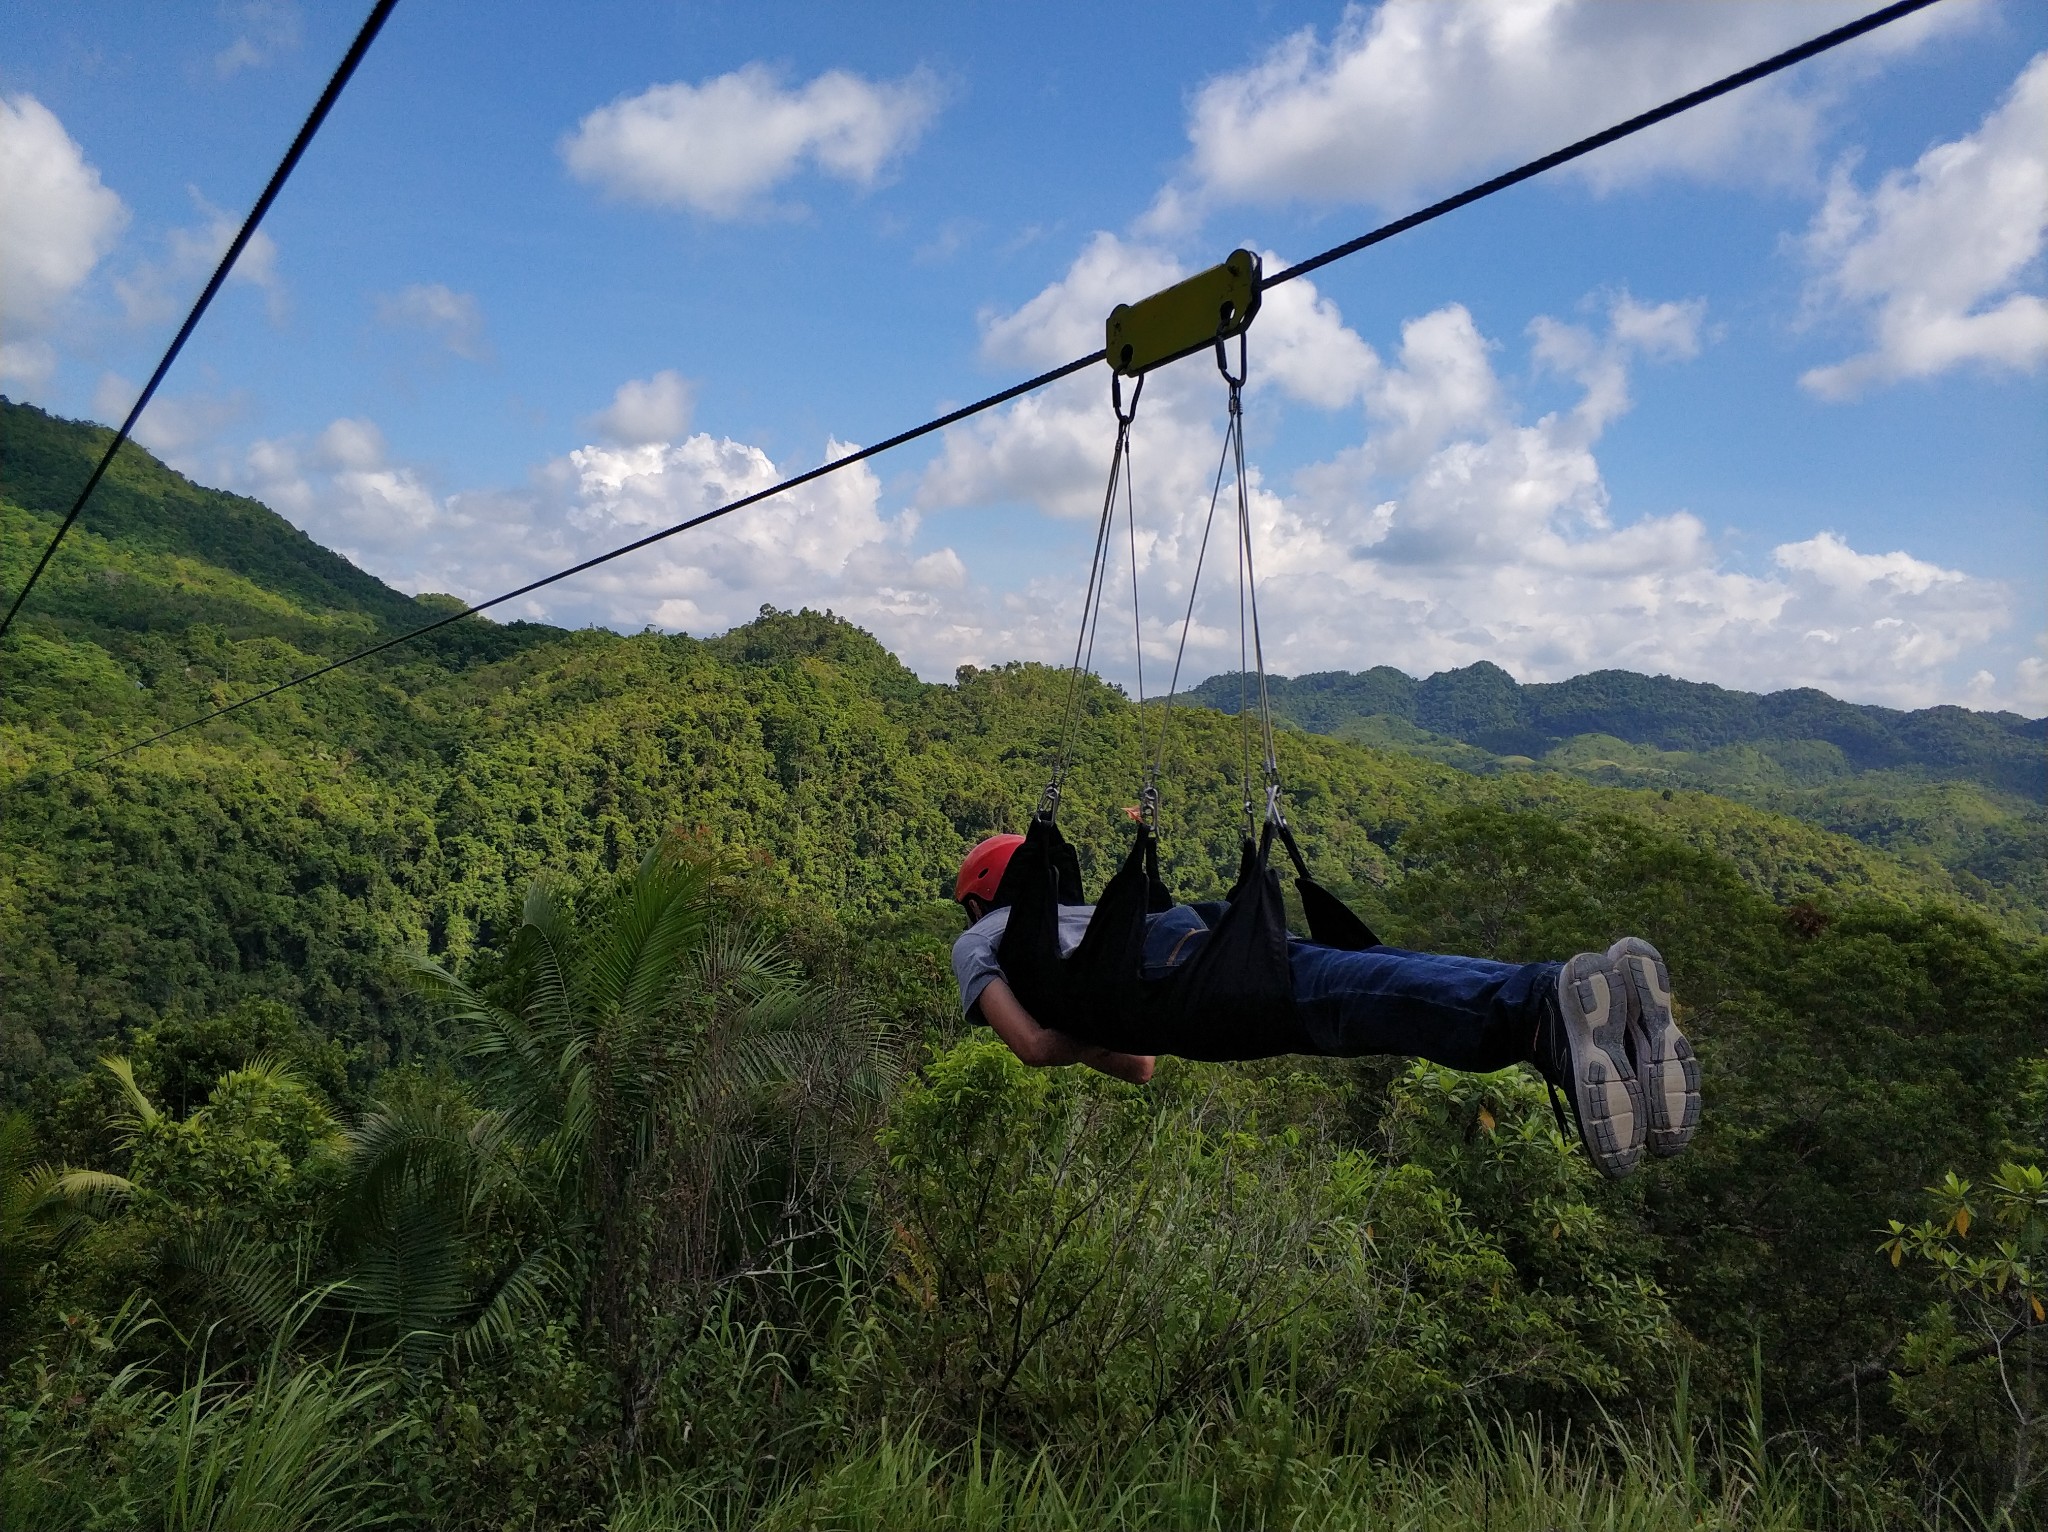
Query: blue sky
column 1757, row 399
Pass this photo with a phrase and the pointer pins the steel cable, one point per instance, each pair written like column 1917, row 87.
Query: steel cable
column 343, row 71
column 1767, row 67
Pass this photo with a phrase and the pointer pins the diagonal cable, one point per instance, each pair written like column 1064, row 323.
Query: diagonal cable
column 370, row 28
column 1767, row 67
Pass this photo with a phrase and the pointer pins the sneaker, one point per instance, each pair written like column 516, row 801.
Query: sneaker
column 1664, row 1060
column 1582, row 1049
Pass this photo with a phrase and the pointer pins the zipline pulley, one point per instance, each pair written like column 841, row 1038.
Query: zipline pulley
column 1207, row 309
column 1236, row 992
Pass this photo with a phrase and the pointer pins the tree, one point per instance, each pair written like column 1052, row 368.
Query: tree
column 1996, row 1316
column 671, row 1100
column 40, row 1207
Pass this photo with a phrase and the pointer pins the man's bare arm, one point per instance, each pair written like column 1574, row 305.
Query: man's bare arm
column 1043, row 1048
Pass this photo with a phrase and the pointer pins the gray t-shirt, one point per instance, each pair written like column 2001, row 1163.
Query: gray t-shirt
column 1171, row 938
column 974, row 951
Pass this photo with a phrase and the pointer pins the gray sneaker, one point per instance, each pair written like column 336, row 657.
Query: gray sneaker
column 1583, row 1050
column 1664, row 1060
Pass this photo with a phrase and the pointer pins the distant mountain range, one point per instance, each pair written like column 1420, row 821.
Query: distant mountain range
column 1484, row 707
column 170, row 597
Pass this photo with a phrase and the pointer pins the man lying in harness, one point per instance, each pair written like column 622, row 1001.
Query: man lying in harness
column 1598, row 1027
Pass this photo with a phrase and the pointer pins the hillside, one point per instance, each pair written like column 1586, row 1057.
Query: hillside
column 297, row 848
column 682, row 1196
column 1940, row 787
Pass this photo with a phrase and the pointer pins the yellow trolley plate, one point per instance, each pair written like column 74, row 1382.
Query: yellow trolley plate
column 1185, row 318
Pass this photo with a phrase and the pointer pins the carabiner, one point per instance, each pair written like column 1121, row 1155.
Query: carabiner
column 1116, row 399
column 1223, row 359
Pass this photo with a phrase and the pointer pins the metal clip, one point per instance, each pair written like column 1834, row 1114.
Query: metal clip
column 1235, row 380
column 1116, row 399
column 1273, row 814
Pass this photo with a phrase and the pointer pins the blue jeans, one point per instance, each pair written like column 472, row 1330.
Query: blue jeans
column 1461, row 1012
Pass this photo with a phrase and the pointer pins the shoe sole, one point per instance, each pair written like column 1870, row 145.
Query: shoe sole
column 1665, row 1064
column 1603, row 1090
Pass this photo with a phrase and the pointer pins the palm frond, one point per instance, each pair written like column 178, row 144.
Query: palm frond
column 525, row 1294
column 140, row 1113
column 238, row 1276
column 407, row 1275
column 665, row 917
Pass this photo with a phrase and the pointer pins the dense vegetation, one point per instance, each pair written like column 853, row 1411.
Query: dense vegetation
column 1942, row 787
column 536, row 1097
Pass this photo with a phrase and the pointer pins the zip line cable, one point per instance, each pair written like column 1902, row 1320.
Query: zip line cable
column 278, row 177
column 1770, row 66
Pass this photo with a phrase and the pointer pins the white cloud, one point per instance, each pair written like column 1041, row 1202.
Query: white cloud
column 1934, row 253
column 267, row 29
column 655, row 409
column 827, row 544
column 59, row 220
column 173, row 426
column 2030, row 690
column 156, row 292
column 1408, row 95
column 1052, row 448
column 1457, row 529
column 456, row 320
column 26, row 364
column 719, row 147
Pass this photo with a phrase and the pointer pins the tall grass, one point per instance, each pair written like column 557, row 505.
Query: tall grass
column 1515, row 1477
column 276, row 1450
column 272, row 1455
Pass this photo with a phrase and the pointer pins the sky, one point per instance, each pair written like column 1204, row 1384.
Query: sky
column 1759, row 397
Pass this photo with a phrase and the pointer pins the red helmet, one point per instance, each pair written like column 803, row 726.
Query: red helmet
column 982, row 873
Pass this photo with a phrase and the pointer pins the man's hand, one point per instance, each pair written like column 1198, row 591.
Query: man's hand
column 1043, row 1048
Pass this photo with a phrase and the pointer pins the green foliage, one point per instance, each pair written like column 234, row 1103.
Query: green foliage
column 1986, row 1345
column 1079, row 1263
column 1947, row 789
column 41, row 1206
column 508, row 1030
column 88, row 1442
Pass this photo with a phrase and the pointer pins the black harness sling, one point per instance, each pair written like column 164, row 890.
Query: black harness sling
column 1234, row 998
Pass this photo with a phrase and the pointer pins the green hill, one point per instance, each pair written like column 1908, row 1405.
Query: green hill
column 1944, row 787
column 294, row 850
column 762, row 1236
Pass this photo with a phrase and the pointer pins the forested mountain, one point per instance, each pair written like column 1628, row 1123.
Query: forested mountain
column 293, row 850
column 1942, row 786
column 777, row 1224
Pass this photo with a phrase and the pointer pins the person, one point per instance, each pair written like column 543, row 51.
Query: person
column 1599, row 1027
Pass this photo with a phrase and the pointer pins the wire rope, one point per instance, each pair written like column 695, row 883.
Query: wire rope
column 342, row 73
column 1584, row 146
column 1157, row 765
column 1091, row 601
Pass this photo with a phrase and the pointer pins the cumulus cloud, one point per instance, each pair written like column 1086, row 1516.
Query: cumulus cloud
column 1052, row 449
column 454, row 320
column 59, row 221
column 1411, row 94
column 828, row 544
column 1458, row 528
column 174, row 427
column 655, row 409
column 265, row 30
column 156, row 292
column 718, row 148
column 1934, row 253
column 2030, row 690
